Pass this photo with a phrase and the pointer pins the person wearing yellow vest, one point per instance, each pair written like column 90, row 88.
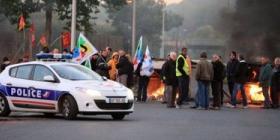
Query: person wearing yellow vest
column 182, row 73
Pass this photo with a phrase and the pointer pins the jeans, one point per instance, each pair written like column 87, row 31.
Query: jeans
column 265, row 90
column 183, row 89
column 237, row 87
column 230, row 87
column 142, row 88
column 202, row 97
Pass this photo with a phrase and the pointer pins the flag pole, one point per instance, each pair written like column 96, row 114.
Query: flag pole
column 30, row 47
column 24, row 41
column 55, row 40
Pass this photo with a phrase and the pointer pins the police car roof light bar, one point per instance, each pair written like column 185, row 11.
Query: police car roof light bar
column 54, row 57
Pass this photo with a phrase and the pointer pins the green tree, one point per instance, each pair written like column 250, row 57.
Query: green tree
column 86, row 11
column 148, row 22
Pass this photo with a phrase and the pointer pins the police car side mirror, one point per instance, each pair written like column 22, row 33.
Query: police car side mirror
column 49, row 78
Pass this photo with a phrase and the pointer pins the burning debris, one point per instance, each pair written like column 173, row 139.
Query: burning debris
column 253, row 90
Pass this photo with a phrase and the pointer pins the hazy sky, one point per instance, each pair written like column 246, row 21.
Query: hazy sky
column 172, row 1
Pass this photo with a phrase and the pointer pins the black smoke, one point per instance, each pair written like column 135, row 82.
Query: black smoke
column 254, row 28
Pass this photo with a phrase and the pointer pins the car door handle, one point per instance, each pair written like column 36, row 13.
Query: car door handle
column 9, row 84
column 31, row 87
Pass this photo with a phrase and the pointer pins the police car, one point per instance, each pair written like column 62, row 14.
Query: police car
column 61, row 87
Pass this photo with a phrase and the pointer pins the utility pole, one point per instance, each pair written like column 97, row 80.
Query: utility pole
column 163, row 35
column 73, row 24
column 163, row 29
column 133, row 27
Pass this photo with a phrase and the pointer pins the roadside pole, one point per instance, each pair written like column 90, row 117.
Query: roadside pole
column 73, row 24
column 133, row 27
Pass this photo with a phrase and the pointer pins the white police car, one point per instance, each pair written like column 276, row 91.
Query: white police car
column 61, row 87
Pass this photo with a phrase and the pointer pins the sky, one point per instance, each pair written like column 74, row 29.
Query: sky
column 172, row 1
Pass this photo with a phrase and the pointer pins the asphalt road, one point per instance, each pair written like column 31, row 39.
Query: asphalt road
column 151, row 121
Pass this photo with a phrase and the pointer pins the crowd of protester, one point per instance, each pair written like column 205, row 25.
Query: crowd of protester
column 176, row 76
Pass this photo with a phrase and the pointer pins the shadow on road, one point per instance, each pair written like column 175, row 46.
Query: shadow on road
column 36, row 117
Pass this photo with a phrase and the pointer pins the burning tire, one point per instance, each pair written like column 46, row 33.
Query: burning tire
column 4, row 106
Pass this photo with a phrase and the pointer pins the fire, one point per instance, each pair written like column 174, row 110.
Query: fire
column 158, row 93
column 256, row 93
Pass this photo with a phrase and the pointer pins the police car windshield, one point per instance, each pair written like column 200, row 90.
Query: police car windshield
column 75, row 72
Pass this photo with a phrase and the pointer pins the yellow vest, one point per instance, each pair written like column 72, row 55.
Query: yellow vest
column 185, row 67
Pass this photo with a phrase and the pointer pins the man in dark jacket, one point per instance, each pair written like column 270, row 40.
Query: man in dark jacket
column 182, row 73
column 102, row 67
column 241, row 77
column 163, row 69
column 264, row 79
column 5, row 63
column 217, row 91
column 170, row 80
column 93, row 61
column 123, row 68
column 231, row 69
column 275, row 82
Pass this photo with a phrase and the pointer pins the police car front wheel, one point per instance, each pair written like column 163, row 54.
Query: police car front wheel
column 118, row 116
column 69, row 107
column 4, row 106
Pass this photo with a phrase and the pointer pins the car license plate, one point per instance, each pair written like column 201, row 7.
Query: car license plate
column 116, row 100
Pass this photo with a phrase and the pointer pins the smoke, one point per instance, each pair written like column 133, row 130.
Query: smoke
column 254, row 28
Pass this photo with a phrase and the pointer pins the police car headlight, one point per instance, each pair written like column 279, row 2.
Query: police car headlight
column 130, row 94
column 89, row 91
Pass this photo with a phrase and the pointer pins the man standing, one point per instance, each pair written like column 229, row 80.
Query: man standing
column 5, row 63
column 222, row 84
column 182, row 73
column 163, row 69
column 93, row 61
column 231, row 69
column 102, row 67
column 241, row 77
column 169, row 76
column 275, row 82
column 123, row 68
column 217, row 82
column 109, row 50
column 264, row 79
column 204, row 75
column 142, row 84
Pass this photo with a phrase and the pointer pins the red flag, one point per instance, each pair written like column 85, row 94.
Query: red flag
column 32, row 35
column 43, row 41
column 21, row 23
column 65, row 39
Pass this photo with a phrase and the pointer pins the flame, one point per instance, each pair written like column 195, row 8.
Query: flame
column 158, row 93
column 256, row 93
